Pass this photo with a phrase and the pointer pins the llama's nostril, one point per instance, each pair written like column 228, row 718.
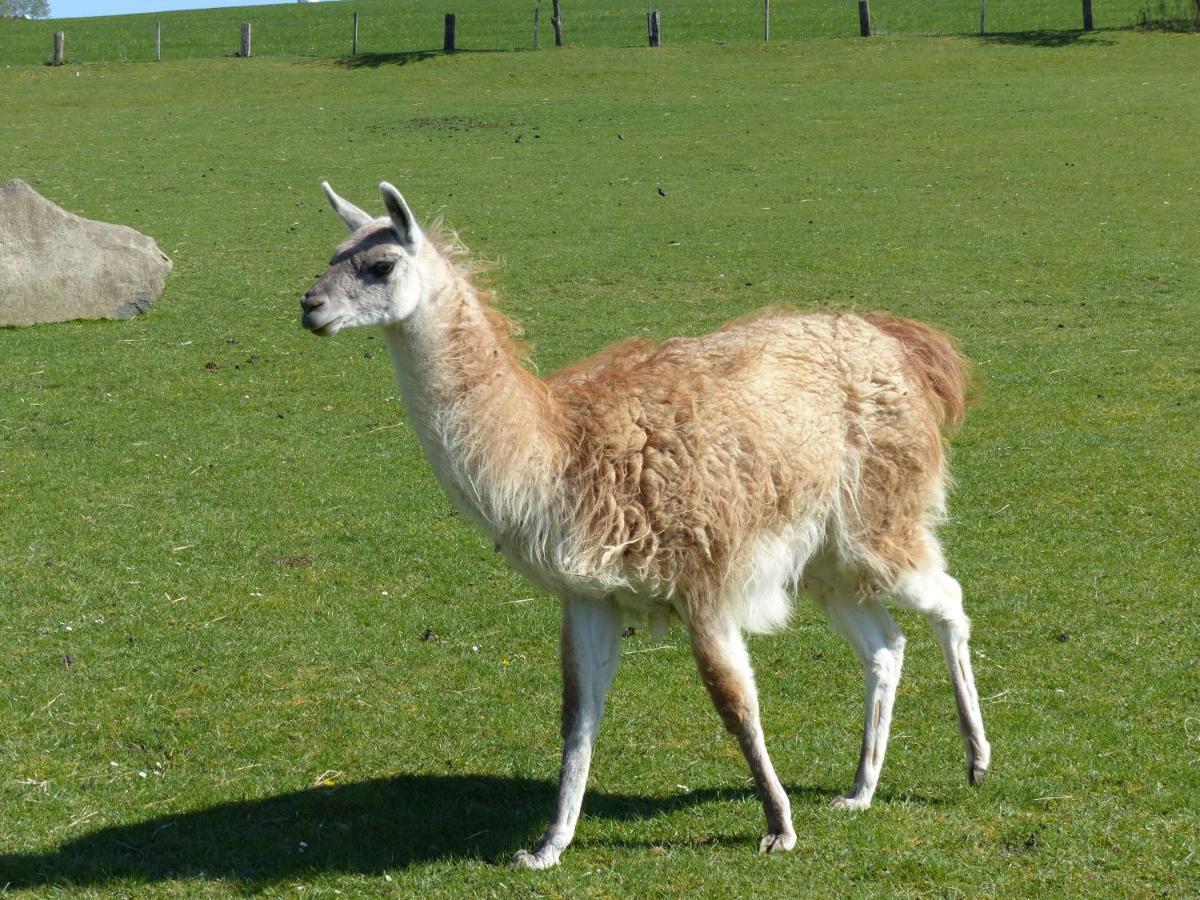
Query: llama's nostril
column 308, row 303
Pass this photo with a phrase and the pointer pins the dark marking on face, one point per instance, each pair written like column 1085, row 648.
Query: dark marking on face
column 380, row 239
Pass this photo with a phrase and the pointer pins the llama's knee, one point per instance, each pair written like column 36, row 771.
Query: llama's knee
column 948, row 615
column 725, row 670
column 935, row 594
column 734, row 699
column 886, row 662
column 951, row 594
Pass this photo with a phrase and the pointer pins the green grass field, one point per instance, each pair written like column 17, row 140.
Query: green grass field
column 388, row 27
column 220, row 548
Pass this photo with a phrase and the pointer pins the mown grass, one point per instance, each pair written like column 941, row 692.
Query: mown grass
column 386, row 27
column 247, row 646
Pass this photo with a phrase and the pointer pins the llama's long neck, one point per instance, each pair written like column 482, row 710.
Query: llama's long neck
column 489, row 426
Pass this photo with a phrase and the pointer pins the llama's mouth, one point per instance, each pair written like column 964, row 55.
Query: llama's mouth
column 326, row 329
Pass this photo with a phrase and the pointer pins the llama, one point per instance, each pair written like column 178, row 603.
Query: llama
column 705, row 479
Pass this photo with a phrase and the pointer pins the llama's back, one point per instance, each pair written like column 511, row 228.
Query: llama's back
column 808, row 429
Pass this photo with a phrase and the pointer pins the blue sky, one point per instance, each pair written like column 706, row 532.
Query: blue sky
column 72, row 9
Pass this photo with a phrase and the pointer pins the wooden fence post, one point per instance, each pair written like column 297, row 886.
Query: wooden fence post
column 655, row 38
column 60, row 43
column 556, row 21
column 983, row 16
column 537, row 28
column 766, row 21
column 354, row 42
column 158, row 41
column 864, row 18
column 1087, row 15
column 448, row 34
column 246, row 40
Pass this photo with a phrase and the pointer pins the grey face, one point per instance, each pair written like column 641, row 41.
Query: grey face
column 358, row 287
column 373, row 278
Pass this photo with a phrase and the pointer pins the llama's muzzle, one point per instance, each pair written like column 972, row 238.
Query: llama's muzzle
column 315, row 316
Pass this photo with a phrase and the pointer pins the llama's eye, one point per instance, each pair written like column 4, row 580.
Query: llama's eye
column 382, row 268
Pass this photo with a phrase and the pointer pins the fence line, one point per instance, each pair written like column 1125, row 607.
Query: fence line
column 487, row 29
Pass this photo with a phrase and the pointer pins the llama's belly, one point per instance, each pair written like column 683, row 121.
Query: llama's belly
column 546, row 577
column 637, row 604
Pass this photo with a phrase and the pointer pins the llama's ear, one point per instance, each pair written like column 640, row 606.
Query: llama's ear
column 403, row 223
column 354, row 217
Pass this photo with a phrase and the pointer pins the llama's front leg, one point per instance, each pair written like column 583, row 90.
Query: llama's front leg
column 591, row 650
column 725, row 670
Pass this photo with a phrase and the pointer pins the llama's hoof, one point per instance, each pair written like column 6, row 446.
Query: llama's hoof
column 778, row 843
column 544, row 858
column 979, row 755
column 850, row 803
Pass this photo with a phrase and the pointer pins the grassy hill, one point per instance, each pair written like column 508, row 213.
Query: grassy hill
column 246, row 645
column 324, row 29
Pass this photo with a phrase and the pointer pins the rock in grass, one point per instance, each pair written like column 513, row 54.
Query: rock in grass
column 56, row 266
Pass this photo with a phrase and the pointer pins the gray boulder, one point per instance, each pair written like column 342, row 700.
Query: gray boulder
column 56, row 266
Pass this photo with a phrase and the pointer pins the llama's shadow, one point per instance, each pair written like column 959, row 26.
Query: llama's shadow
column 363, row 828
column 402, row 57
column 378, row 60
column 1046, row 39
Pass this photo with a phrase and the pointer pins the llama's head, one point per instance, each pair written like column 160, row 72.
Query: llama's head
column 374, row 277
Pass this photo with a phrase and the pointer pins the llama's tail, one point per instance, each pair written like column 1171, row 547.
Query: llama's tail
column 942, row 371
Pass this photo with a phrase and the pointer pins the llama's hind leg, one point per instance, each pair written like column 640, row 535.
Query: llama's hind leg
column 591, row 651
column 879, row 644
column 938, row 597
column 725, row 670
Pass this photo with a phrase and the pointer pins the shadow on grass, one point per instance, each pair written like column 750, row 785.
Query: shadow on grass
column 401, row 58
column 1046, row 38
column 363, row 828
